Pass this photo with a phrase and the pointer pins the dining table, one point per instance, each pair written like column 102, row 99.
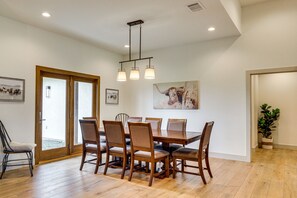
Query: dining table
column 167, row 137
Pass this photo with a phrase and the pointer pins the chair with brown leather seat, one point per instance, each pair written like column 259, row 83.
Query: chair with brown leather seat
column 142, row 149
column 116, row 143
column 91, row 143
column 197, row 155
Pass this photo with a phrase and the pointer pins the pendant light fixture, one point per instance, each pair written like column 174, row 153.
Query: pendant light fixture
column 134, row 74
column 149, row 71
column 121, row 74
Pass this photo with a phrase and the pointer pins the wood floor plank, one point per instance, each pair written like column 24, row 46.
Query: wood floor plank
column 271, row 174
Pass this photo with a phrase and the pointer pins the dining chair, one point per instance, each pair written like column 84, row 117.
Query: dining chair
column 178, row 125
column 116, row 143
column 197, row 155
column 142, row 149
column 102, row 138
column 91, row 143
column 123, row 117
column 133, row 119
column 11, row 147
column 156, row 123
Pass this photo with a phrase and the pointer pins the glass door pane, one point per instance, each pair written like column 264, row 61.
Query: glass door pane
column 53, row 115
column 83, row 106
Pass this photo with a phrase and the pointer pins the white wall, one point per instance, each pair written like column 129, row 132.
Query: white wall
column 280, row 91
column 268, row 40
column 22, row 47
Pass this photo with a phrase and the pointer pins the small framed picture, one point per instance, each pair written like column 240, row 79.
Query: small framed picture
column 111, row 96
column 12, row 89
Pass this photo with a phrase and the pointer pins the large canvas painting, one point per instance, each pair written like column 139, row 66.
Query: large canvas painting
column 176, row 95
column 12, row 89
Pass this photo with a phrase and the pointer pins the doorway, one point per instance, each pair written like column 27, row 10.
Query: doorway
column 268, row 90
column 62, row 98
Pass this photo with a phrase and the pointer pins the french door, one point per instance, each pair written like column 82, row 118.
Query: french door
column 62, row 98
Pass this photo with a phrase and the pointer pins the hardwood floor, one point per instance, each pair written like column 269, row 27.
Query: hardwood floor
column 271, row 174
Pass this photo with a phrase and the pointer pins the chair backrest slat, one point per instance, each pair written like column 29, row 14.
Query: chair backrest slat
column 123, row 117
column 89, row 131
column 141, row 136
column 115, row 134
column 177, row 125
column 156, row 123
column 205, row 137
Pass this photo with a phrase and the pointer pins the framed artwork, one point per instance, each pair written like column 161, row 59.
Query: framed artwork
column 111, row 96
column 12, row 89
column 176, row 95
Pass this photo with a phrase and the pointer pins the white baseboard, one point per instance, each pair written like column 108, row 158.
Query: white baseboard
column 228, row 156
column 282, row 146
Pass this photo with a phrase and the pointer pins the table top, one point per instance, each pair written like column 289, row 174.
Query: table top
column 168, row 136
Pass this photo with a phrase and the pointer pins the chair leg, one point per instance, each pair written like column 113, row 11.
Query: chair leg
column 4, row 164
column 31, row 155
column 124, row 166
column 174, row 167
column 106, row 163
column 167, row 166
column 83, row 158
column 97, row 163
column 147, row 167
column 140, row 163
column 131, row 168
column 183, row 165
column 207, row 166
column 201, row 173
column 30, row 163
column 152, row 173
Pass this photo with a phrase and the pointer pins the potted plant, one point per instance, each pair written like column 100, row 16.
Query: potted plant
column 266, row 124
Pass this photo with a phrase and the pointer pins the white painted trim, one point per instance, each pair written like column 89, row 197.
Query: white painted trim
column 229, row 156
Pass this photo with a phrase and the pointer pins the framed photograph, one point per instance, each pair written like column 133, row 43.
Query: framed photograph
column 12, row 89
column 111, row 96
column 176, row 95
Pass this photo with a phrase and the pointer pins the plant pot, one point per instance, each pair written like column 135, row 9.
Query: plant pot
column 267, row 143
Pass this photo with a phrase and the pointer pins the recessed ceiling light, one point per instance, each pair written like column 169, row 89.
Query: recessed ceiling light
column 126, row 46
column 46, row 14
column 211, row 29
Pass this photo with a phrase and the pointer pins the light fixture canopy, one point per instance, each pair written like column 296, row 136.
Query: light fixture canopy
column 134, row 74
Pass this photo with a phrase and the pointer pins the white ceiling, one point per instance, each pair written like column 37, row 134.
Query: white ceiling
column 103, row 23
column 250, row 2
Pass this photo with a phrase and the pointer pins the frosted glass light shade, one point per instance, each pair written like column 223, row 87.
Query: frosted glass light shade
column 149, row 73
column 121, row 76
column 134, row 74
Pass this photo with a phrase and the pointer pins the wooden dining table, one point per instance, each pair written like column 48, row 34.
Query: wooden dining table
column 167, row 137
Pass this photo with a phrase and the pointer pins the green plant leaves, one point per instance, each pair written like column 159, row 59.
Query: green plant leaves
column 266, row 121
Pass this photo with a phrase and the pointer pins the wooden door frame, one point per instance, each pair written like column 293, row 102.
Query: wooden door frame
column 40, row 70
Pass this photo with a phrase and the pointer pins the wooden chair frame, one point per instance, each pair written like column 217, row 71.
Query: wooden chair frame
column 152, row 159
column 85, row 150
column 109, row 145
column 203, row 153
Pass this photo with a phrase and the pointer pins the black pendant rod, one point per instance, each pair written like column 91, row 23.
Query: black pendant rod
column 133, row 23
column 130, row 43
column 140, row 41
column 138, row 59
